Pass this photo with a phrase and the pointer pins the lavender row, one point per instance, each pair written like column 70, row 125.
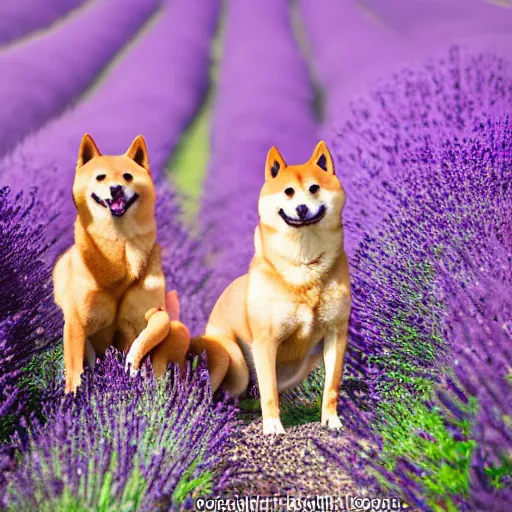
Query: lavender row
column 433, row 23
column 122, row 443
column 264, row 98
column 19, row 18
column 473, row 400
column 450, row 212
column 48, row 72
column 28, row 320
column 353, row 47
column 349, row 47
column 155, row 90
column 456, row 201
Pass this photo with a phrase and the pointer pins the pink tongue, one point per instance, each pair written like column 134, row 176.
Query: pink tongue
column 118, row 204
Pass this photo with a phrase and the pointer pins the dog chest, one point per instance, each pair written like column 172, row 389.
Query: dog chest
column 334, row 304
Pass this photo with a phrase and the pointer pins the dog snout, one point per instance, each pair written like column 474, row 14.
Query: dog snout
column 302, row 211
column 116, row 190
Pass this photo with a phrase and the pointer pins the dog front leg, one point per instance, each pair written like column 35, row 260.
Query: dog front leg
column 264, row 354
column 74, row 351
column 335, row 344
column 155, row 332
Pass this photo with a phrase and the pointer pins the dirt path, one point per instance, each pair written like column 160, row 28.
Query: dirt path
column 294, row 463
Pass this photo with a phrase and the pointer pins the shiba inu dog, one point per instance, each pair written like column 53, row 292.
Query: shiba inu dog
column 109, row 284
column 295, row 300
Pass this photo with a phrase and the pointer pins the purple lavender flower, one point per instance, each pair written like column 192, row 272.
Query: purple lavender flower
column 48, row 72
column 135, row 444
column 28, row 320
column 391, row 134
column 19, row 18
column 25, row 279
column 482, row 354
column 264, row 98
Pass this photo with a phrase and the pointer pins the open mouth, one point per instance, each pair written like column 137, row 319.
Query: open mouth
column 297, row 223
column 118, row 205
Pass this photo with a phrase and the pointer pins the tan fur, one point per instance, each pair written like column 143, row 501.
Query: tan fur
column 109, row 284
column 295, row 296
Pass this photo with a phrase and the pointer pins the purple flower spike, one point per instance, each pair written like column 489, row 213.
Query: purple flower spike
column 117, row 442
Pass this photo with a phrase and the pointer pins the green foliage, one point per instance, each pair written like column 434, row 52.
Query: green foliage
column 40, row 372
column 301, row 413
column 413, row 431
column 188, row 486
column 501, row 474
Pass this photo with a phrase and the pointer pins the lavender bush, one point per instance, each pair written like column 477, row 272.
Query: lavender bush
column 123, row 444
column 28, row 320
column 399, row 346
column 480, row 334
column 264, row 98
column 18, row 18
column 408, row 115
column 472, row 402
column 50, row 60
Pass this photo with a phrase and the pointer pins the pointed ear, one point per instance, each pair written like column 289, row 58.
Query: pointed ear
column 322, row 158
column 138, row 152
column 87, row 151
column 275, row 163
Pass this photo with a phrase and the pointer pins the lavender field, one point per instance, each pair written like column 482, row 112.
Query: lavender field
column 414, row 100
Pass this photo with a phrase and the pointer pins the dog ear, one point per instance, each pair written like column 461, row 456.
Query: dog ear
column 138, row 152
column 87, row 151
column 322, row 158
column 275, row 163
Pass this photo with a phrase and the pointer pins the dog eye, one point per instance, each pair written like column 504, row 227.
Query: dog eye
column 289, row 191
column 101, row 177
column 314, row 189
column 127, row 176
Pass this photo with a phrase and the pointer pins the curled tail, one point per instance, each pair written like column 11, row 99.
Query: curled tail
column 226, row 363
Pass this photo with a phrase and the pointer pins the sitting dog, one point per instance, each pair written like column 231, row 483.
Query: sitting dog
column 294, row 300
column 109, row 284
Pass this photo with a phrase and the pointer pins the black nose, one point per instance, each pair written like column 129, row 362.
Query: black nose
column 302, row 211
column 115, row 190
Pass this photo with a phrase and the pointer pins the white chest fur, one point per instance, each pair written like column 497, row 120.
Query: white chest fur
column 330, row 307
column 334, row 304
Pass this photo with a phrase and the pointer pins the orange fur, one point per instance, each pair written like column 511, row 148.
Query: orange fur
column 295, row 296
column 109, row 284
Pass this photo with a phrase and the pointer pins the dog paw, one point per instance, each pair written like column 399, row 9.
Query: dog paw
column 272, row 426
column 332, row 421
column 72, row 384
column 129, row 368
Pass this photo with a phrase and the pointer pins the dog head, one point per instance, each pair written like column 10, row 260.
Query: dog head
column 300, row 197
column 113, row 187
